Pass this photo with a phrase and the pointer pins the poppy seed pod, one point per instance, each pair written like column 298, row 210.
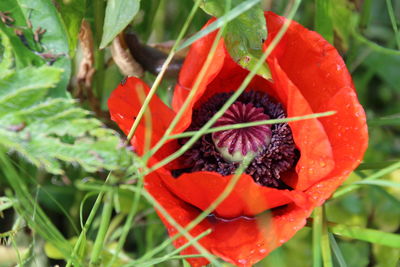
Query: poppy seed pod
column 296, row 165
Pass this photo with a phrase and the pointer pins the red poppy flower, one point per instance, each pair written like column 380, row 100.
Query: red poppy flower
column 309, row 76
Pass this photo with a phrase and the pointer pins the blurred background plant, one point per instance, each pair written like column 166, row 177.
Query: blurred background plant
column 63, row 163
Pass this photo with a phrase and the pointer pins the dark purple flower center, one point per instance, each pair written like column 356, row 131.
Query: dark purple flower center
column 235, row 144
column 273, row 146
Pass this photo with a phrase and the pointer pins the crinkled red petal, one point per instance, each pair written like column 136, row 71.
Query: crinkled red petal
column 190, row 71
column 124, row 105
column 241, row 241
column 316, row 158
column 247, row 198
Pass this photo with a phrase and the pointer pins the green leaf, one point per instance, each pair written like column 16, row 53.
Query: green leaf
column 386, row 66
column 229, row 16
column 24, row 57
column 355, row 253
column 23, row 88
column 385, row 256
column 6, row 59
column 343, row 20
column 48, row 131
column 244, row 36
column 119, row 13
column 72, row 13
column 41, row 14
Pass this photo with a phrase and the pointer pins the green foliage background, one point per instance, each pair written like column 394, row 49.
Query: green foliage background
column 58, row 200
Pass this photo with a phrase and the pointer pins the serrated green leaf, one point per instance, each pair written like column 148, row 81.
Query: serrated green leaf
column 41, row 14
column 244, row 36
column 24, row 57
column 48, row 131
column 23, row 88
column 118, row 15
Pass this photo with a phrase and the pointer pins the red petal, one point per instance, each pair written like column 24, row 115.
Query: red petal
column 310, row 62
column 246, row 199
column 315, row 67
column 242, row 241
column 190, row 70
column 348, row 133
column 124, row 105
column 316, row 160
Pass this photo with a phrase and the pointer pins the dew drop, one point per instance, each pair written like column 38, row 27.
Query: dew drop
column 242, row 261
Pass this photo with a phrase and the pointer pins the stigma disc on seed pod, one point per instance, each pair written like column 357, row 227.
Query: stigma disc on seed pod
column 235, row 144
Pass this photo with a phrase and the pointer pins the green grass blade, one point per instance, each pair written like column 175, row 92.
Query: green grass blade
column 336, row 251
column 95, row 259
column 325, row 242
column 29, row 209
column 393, row 21
column 316, row 237
column 129, row 220
column 251, row 124
column 379, row 183
column 393, row 120
column 323, row 21
column 351, row 187
column 365, row 234
column 376, row 165
column 89, row 221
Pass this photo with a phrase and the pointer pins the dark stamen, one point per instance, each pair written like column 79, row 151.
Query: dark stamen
column 273, row 145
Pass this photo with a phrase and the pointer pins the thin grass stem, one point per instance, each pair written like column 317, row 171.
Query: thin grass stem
column 316, row 237
column 393, row 22
column 101, row 234
column 351, row 187
column 251, row 124
column 88, row 221
column 325, row 242
column 172, row 254
column 129, row 220
column 161, row 74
